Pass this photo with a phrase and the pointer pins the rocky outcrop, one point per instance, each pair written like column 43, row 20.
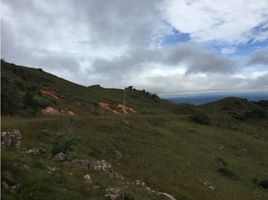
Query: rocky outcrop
column 11, row 139
column 60, row 157
column 114, row 194
column 98, row 165
column 35, row 151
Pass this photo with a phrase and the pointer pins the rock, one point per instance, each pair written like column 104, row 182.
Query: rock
column 35, row 151
column 52, row 170
column 4, row 185
column 98, row 165
column 60, row 157
column 88, row 179
column 166, row 195
column 27, row 168
column 205, row 183
column 102, row 165
column 7, row 180
column 114, row 194
column 118, row 155
column 11, row 139
column 211, row 188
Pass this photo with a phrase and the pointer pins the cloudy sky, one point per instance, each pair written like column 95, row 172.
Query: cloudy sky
column 164, row 46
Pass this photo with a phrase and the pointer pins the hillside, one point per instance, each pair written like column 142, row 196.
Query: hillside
column 158, row 150
column 36, row 89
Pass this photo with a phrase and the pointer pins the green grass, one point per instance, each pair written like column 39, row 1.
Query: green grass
column 169, row 152
column 163, row 144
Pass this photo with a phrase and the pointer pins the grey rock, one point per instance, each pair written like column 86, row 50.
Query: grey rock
column 35, row 151
column 11, row 139
column 114, row 194
column 60, row 157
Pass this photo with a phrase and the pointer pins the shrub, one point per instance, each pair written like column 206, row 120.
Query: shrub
column 252, row 114
column 42, row 102
column 62, row 146
column 200, row 118
column 264, row 184
column 226, row 172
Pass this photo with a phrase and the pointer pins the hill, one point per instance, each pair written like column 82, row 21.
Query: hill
column 37, row 89
column 159, row 151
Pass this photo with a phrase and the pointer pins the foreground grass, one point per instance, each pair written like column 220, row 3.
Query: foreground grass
column 168, row 152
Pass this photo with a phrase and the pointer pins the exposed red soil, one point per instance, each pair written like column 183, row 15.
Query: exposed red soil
column 51, row 93
column 50, row 111
column 106, row 106
column 122, row 107
column 125, row 108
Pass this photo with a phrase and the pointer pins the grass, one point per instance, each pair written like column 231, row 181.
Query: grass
column 169, row 152
column 177, row 149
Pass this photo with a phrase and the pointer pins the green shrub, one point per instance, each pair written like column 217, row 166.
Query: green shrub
column 62, row 146
column 226, row 172
column 200, row 118
column 42, row 102
column 252, row 114
column 264, row 184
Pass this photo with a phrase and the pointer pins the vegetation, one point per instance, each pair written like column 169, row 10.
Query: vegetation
column 160, row 144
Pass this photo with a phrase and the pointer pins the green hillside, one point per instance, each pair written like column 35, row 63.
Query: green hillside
column 28, row 100
column 216, row 151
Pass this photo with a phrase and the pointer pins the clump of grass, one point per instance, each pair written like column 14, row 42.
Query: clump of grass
column 65, row 146
column 200, row 118
column 224, row 171
column 264, row 184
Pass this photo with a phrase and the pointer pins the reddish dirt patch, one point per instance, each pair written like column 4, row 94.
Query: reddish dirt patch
column 125, row 108
column 106, row 106
column 51, row 93
column 50, row 111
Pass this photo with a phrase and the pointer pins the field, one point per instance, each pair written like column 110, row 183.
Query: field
column 168, row 152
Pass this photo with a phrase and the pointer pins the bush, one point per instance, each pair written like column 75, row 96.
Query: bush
column 252, row 114
column 264, row 184
column 42, row 102
column 62, row 146
column 200, row 118
column 226, row 172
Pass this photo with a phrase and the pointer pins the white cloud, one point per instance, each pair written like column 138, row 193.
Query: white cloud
column 225, row 21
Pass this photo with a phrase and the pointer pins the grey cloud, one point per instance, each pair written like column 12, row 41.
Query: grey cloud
column 34, row 57
column 120, row 22
column 259, row 58
column 199, row 60
column 41, row 33
column 196, row 60
column 180, row 83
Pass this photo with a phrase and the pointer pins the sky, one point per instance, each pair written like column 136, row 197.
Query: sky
column 163, row 46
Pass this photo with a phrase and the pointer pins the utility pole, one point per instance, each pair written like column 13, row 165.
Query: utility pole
column 124, row 96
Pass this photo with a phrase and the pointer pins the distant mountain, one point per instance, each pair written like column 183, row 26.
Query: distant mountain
column 198, row 99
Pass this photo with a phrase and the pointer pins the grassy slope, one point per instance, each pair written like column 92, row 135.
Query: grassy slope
column 26, row 80
column 164, row 149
